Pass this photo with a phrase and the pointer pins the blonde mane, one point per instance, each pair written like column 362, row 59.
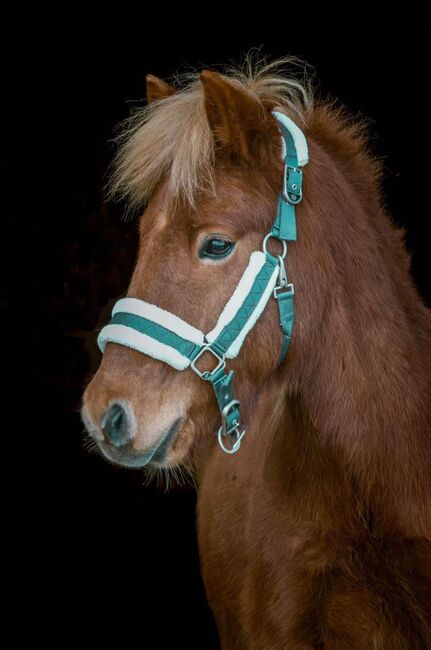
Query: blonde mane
column 171, row 139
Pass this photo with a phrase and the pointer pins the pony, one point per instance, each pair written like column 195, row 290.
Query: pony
column 317, row 532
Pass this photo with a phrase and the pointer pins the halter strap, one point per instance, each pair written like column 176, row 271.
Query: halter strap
column 153, row 331
column 295, row 156
column 164, row 336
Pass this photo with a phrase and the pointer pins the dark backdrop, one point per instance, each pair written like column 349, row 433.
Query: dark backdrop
column 123, row 556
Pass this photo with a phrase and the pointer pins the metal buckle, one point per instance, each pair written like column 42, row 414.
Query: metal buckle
column 236, row 445
column 207, row 374
column 225, row 412
column 294, row 195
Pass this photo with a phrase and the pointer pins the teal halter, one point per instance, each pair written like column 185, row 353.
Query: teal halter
column 162, row 335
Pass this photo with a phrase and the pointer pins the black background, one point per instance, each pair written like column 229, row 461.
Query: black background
column 123, row 557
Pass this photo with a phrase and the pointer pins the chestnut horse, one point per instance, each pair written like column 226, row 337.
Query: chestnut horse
column 317, row 532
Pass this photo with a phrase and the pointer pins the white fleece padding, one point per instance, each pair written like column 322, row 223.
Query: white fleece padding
column 257, row 261
column 255, row 264
column 131, row 338
column 298, row 138
column 161, row 317
column 235, row 347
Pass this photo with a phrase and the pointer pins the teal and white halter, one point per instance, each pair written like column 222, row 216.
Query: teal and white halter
column 162, row 335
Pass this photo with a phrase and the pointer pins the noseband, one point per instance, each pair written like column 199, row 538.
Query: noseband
column 164, row 336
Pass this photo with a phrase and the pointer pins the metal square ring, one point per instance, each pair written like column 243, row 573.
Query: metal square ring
column 207, row 374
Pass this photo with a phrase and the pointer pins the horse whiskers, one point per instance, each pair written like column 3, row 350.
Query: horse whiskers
column 90, row 445
column 189, row 473
column 168, row 476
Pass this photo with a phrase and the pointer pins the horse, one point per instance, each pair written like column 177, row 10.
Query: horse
column 314, row 530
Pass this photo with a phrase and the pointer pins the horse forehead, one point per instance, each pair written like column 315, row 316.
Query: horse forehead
column 234, row 203
column 155, row 218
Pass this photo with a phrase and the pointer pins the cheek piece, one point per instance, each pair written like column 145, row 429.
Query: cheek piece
column 164, row 336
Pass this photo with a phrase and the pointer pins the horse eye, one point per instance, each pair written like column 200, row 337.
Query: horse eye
column 216, row 247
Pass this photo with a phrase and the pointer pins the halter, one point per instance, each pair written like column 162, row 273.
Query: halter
column 164, row 336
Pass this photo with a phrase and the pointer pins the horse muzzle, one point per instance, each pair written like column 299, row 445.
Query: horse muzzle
column 115, row 436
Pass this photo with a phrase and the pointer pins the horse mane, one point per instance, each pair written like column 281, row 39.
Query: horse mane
column 171, row 139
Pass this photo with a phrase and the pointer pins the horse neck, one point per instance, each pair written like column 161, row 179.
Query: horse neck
column 360, row 356
column 302, row 477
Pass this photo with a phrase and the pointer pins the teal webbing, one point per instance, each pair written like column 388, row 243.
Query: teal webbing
column 157, row 332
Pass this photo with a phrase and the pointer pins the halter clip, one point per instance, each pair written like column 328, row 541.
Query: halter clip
column 236, row 445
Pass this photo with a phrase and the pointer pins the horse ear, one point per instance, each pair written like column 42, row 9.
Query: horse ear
column 235, row 116
column 158, row 89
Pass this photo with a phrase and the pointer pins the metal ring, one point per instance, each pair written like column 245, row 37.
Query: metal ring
column 236, row 445
column 265, row 249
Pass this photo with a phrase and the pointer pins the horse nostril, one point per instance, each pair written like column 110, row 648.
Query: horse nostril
column 116, row 426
